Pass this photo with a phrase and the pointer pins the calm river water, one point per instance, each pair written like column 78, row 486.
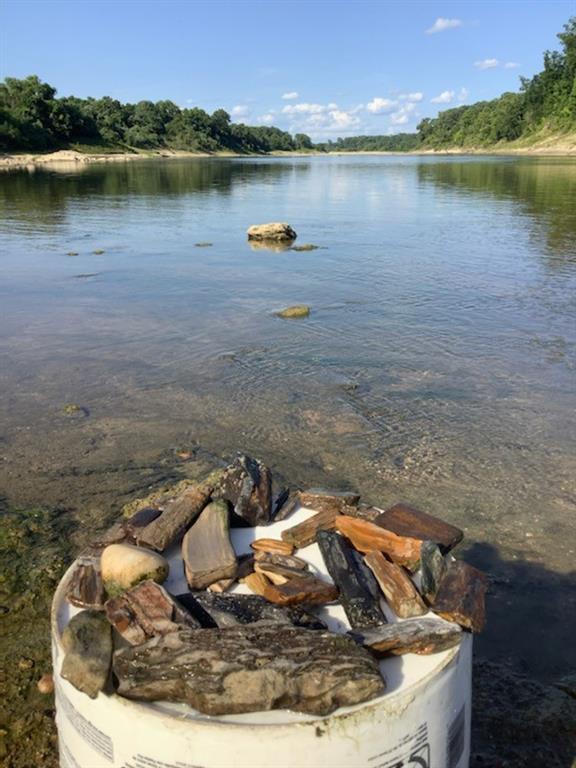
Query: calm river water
column 437, row 366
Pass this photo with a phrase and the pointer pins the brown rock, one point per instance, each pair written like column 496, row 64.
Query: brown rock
column 461, row 596
column 422, row 636
column 304, row 533
column 272, row 545
column 366, row 536
column 85, row 588
column 146, row 611
column 408, row 521
column 274, row 231
column 46, row 683
column 250, row 668
column 206, row 549
column 280, row 574
column 221, row 586
column 322, row 500
column 288, row 561
column 178, row 515
column 310, row 590
column 397, row 586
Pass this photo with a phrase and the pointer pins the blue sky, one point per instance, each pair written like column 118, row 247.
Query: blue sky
column 330, row 68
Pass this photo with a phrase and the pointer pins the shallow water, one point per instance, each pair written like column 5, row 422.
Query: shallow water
column 437, row 366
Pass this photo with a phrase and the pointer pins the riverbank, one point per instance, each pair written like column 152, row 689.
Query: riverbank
column 551, row 147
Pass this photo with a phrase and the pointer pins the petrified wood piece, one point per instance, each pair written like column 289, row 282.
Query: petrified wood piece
column 366, row 536
column 85, row 588
column 396, row 585
column 221, row 586
column 304, row 533
column 408, row 521
column 322, row 500
column 351, row 577
column 288, row 561
column 432, row 570
column 128, row 529
column 247, row 485
column 461, row 596
column 422, row 636
column 178, row 515
column 280, row 574
column 285, row 509
column 363, row 511
column 206, row 549
column 248, row 669
column 230, row 610
column 311, row 591
column 146, row 611
column 87, row 641
column 272, row 545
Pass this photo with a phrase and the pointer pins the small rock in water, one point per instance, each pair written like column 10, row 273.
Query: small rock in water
column 247, row 485
column 291, row 313
column 397, row 586
column 422, row 636
column 281, row 667
column 87, row 641
column 177, row 516
column 146, row 611
column 352, row 579
column 72, row 253
column 85, row 588
column 206, row 549
column 273, row 231
column 75, row 410
column 46, row 683
column 304, row 534
column 461, row 596
column 366, row 536
column 432, row 570
column 202, row 245
column 98, row 252
column 309, row 590
column 123, row 566
column 276, row 546
column 404, row 520
column 305, row 247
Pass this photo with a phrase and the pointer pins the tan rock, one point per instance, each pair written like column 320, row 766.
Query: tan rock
column 272, row 231
column 123, row 566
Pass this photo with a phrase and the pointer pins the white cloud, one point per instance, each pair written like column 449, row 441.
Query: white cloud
column 403, row 115
column 321, row 118
column 486, row 64
column 379, row 105
column 240, row 110
column 417, row 96
column 463, row 94
column 511, row 65
column 307, row 109
column 442, row 24
column 290, row 95
column 444, row 98
column 266, row 119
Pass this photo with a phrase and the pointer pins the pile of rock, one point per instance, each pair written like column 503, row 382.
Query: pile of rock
column 227, row 653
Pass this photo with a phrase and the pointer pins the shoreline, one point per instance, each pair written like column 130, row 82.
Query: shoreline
column 70, row 156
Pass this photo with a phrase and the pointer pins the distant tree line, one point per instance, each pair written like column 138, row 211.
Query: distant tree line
column 32, row 118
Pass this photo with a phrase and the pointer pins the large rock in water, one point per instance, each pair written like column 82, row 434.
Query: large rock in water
column 275, row 231
column 250, row 668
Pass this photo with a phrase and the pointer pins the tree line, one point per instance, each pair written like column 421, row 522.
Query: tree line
column 33, row 118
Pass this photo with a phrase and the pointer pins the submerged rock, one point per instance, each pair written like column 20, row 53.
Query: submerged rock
column 292, row 313
column 273, row 231
column 123, row 566
column 249, row 669
column 206, row 549
column 87, row 641
column 305, row 247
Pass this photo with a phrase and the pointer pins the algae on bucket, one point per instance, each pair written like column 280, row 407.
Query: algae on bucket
column 423, row 718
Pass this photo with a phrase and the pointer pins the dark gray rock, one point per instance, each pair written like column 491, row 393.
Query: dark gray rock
column 87, row 641
column 247, row 485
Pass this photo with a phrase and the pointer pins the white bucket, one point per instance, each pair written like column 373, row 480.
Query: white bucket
column 422, row 721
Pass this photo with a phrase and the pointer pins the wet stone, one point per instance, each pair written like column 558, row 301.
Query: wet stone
column 352, row 579
column 247, row 485
column 202, row 669
column 422, row 636
column 366, row 536
column 461, row 596
column 206, row 549
column 176, row 518
column 432, row 570
column 85, row 588
column 87, row 642
column 397, row 586
column 405, row 520
column 146, row 611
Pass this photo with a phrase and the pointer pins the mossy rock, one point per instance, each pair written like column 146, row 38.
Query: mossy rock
column 74, row 410
column 299, row 310
column 98, row 252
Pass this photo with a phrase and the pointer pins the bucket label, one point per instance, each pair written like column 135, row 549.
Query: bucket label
column 98, row 740
column 412, row 751
column 141, row 761
column 456, row 739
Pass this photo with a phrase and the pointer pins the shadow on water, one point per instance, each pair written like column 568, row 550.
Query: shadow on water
column 545, row 188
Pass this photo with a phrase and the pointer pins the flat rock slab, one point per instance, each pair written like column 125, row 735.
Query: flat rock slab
column 178, row 515
column 87, row 641
column 206, row 549
column 147, row 611
column 251, row 668
column 366, row 537
column 405, row 520
column 352, row 579
column 422, row 636
column 461, row 596
column 397, row 586
column 274, row 231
